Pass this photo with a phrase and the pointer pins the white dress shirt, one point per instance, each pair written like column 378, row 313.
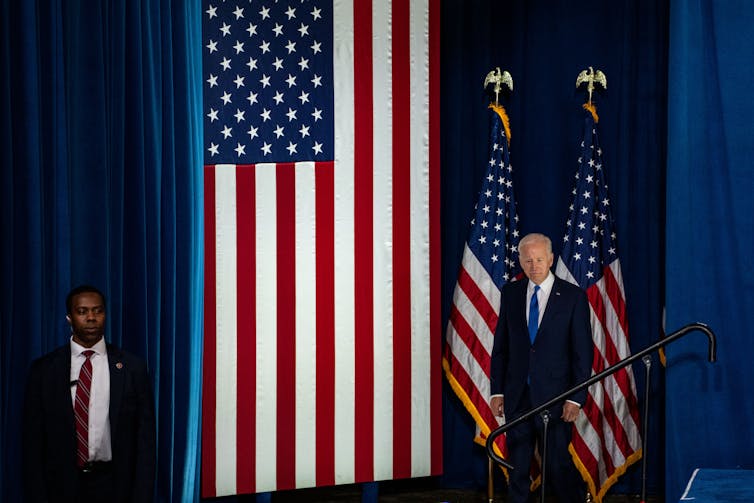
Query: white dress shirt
column 99, row 398
column 543, row 295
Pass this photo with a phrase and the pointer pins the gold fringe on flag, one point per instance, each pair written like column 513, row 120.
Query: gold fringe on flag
column 504, row 117
column 593, row 110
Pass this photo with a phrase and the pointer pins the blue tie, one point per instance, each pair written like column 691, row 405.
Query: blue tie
column 533, row 314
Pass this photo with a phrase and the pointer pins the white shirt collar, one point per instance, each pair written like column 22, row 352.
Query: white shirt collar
column 545, row 286
column 100, row 348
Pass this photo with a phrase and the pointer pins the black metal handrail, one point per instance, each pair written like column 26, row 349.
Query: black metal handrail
column 597, row 377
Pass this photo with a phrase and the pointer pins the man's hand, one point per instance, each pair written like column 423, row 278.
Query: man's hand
column 570, row 412
column 496, row 404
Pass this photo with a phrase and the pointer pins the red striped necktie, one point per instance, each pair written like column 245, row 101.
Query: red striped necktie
column 81, row 409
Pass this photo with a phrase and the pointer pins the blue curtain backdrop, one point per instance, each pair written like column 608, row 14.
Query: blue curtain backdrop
column 544, row 45
column 710, row 237
column 100, row 117
column 100, row 108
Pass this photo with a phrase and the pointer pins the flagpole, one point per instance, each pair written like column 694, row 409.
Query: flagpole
column 497, row 78
column 489, row 261
column 647, row 360
column 490, row 482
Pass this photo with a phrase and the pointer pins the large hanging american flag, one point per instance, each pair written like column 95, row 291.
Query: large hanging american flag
column 321, row 244
column 490, row 259
column 606, row 438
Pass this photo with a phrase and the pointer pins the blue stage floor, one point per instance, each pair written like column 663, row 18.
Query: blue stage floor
column 720, row 486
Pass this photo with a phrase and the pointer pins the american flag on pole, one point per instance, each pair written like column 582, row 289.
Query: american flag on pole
column 321, row 244
column 490, row 259
column 606, row 438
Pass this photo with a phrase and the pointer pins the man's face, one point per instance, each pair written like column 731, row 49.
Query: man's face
column 87, row 318
column 536, row 261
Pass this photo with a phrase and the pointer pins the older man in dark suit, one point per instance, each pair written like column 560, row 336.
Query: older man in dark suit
column 542, row 347
column 89, row 426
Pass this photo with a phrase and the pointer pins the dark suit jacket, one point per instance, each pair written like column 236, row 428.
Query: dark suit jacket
column 560, row 357
column 50, row 472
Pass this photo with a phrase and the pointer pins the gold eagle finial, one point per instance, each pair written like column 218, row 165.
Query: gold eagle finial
column 498, row 78
column 591, row 77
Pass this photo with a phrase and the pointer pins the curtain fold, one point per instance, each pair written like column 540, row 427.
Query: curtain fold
column 101, row 183
column 710, row 238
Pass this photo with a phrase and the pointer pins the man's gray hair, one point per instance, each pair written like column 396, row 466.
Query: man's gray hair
column 532, row 238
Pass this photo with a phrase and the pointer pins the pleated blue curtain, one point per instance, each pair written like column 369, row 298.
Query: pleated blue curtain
column 710, row 235
column 100, row 124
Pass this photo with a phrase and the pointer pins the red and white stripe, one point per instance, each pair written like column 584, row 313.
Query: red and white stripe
column 606, row 437
column 469, row 339
column 322, row 281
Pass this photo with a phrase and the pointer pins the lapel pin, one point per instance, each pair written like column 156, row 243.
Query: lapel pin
column 119, row 365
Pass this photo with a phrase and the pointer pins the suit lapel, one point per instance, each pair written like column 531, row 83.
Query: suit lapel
column 554, row 302
column 519, row 308
column 117, row 380
column 62, row 383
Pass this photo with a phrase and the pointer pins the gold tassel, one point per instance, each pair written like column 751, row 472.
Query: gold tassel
column 504, row 117
column 593, row 110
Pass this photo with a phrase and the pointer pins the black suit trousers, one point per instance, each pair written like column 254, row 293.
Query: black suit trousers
column 561, row 476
